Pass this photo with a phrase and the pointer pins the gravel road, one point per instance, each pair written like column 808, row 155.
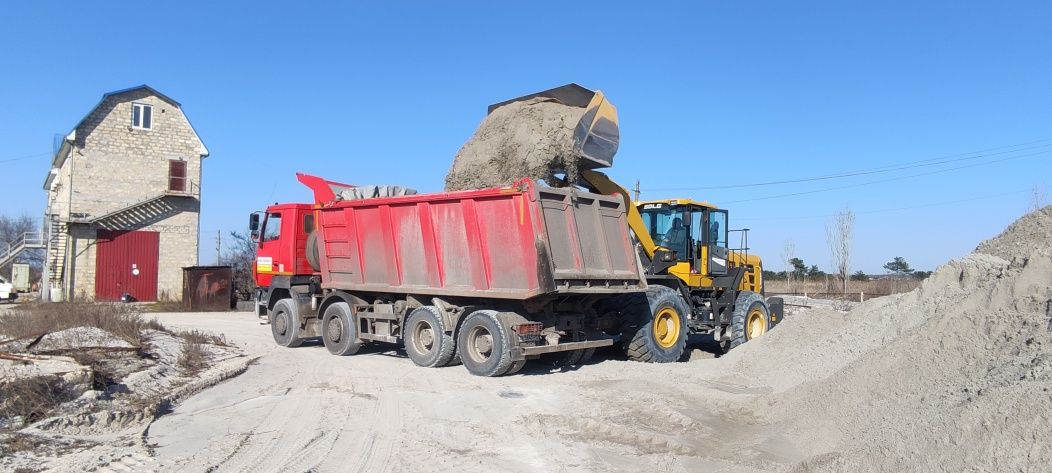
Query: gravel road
column 305, row 410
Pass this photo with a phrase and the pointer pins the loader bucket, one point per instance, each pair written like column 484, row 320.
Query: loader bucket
column 597, row 135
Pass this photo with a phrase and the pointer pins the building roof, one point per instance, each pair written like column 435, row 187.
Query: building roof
column 60, row 156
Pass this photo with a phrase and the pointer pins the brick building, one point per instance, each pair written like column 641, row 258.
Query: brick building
column 124, row 204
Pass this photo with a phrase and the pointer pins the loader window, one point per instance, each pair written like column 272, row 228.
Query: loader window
column 272, row 227
column 718, row 228
column 668, row 227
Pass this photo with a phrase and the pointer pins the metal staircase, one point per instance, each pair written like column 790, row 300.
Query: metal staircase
column 58, row 234
column 28, row 241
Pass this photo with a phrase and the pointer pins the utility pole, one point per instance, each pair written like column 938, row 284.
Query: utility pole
column 636, row 190
column 219, row 246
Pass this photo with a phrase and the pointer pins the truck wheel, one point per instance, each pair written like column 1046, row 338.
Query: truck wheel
column 484, row 345
column 751, row 318
column 656, row 326
column 284, row 324
column 515, row 367
column 338, row 330
column 571, row 357
column 426, row 340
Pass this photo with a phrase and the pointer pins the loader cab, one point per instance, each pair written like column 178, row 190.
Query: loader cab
column 694, row 232
column 280, row 234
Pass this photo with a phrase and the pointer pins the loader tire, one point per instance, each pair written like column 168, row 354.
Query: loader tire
column 339, row 332
column 426, row 341
column 484, row 344
column 285, row 324
column 654, row 326
column 751, row 318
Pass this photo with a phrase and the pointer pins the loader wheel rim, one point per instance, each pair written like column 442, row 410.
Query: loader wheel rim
column 423, row 337
column 756, row 323
column 334, row 330
column 666, row 327
column 480, row 344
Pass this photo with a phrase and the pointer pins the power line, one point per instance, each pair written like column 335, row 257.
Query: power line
column 878, row 170
column 880, row 181
column 911, row 207
column 8, row 160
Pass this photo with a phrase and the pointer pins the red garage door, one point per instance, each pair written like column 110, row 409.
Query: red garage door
column 126, row 262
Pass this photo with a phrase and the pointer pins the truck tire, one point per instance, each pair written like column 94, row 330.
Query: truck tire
column 515, row 367
column 572, row 357
column 426, row 341
column 339, row 333
column 285, row 324
column 484, row 345
column 751, row 318
column 655, row 326
column 311, row 252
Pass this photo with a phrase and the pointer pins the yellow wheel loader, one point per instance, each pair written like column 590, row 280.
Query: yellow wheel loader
column 699, row 283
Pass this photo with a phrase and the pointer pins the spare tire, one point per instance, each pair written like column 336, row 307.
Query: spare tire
column 312, row 252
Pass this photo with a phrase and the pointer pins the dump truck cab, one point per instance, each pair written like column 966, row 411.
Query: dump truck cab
column 281, row 234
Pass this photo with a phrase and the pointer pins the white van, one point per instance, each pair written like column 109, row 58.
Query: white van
column 7, row 290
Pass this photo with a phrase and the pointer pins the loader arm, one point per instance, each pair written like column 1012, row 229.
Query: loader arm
column 600, row 183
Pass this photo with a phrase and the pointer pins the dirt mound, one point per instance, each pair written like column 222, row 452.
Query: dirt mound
column 79, row 338
column 532, row 138
column 954, row 376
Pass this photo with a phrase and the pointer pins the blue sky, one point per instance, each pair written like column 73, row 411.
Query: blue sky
column 709, row 94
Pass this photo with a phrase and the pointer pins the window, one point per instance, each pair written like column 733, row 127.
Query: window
column 308, row 223
column 142, row 116
column 272, row 227
column 176, row 176
column 666, row 226
column 718, row 228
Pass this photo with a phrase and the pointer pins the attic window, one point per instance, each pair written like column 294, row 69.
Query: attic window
column 142, row 116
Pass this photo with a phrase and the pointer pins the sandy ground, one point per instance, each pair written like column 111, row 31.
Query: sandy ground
column 305, row 410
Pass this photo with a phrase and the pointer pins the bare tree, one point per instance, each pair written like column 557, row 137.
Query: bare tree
column 788, row 253
column 240, row 253
column 838, row 234
column 1038, row 198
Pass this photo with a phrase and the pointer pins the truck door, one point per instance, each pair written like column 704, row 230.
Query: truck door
column 269, row 260
column 716, row 241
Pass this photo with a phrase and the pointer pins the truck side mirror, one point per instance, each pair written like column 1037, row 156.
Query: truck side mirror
column 253, row 225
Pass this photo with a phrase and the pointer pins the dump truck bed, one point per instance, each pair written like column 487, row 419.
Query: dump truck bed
column 509, row 243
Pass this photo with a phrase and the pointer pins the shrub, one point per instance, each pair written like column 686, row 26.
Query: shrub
column 34, row 320
column 33, row 398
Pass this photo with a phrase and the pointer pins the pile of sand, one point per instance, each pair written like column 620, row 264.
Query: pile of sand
column 954, row 376
column 532, row 138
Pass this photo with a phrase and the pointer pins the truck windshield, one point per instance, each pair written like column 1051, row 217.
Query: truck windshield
column 668, row 226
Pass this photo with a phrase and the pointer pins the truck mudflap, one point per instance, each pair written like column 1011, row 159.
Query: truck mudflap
column 521, row 352
column 776, row 306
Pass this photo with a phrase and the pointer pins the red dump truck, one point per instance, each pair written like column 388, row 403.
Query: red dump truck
column 488, row 278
